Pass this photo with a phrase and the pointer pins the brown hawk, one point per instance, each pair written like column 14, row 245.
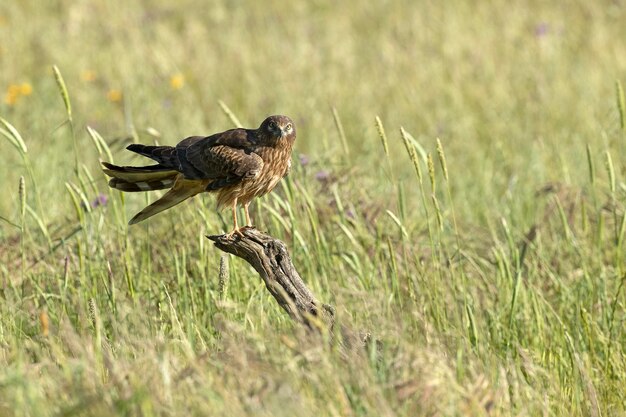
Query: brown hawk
column 238, row 164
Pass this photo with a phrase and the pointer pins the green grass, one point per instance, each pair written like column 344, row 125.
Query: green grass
column 495, row 285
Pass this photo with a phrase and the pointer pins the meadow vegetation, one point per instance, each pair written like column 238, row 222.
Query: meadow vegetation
column 458, row 191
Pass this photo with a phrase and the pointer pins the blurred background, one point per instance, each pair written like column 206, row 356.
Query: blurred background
column 481, row 245
column 512, row 89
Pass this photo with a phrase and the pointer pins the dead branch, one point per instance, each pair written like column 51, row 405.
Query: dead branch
column 270, row 258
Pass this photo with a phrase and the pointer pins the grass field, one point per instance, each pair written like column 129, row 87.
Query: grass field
column 458, row 192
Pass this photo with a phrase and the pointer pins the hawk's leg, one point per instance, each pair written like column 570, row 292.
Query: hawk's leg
column 247, row 213
column 236, row 229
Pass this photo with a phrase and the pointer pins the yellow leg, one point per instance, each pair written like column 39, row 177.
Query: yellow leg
column 234, row 208
column 247, row 213
column 236, row 229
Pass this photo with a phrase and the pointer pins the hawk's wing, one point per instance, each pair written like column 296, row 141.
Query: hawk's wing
column 226, row 157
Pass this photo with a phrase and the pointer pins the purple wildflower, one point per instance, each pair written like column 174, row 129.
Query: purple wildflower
column 100, row 201
column 541, row 29
column 322, row 175
column 304, row 159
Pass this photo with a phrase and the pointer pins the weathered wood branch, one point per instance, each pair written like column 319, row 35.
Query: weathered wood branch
column 270, row 258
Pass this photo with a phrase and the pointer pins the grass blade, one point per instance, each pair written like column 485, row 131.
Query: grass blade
column 619, row 92
column 342, row 133
column 13, row 136
column 229, row 113
column 63, row 89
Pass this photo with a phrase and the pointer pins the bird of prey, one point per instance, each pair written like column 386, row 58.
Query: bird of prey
column 238, row 165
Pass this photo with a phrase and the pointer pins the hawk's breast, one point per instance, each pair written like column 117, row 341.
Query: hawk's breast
column 275, row 167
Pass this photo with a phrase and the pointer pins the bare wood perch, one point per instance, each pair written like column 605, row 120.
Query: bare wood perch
column 270, row 258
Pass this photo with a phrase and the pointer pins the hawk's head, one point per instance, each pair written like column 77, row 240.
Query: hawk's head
column 275, row 129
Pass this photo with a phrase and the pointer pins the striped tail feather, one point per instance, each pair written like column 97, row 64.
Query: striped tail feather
column 165, row 155
column 137, row 186
column 127, row 173
column 182, row 190
column 133, row 179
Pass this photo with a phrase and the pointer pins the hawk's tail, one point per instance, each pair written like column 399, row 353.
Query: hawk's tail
column 133, row 179
column 164, row 155
column 182, row 190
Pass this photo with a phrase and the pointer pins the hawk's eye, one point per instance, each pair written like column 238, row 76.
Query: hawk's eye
column 272, row 125
column 288, row 127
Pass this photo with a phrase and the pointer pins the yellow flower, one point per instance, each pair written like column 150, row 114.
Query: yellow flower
column 12, row 94
column 177, row 81
column 88, row 75
column 114, row 95
column 26, row 89
column 15, row 91
column 10, row 99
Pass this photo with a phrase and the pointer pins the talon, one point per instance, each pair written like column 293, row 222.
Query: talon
column 237, row 232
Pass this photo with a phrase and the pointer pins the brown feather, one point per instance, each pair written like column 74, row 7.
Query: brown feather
column 149, row 185
column 182, row 190
column 238, row 164
column 134, row 174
